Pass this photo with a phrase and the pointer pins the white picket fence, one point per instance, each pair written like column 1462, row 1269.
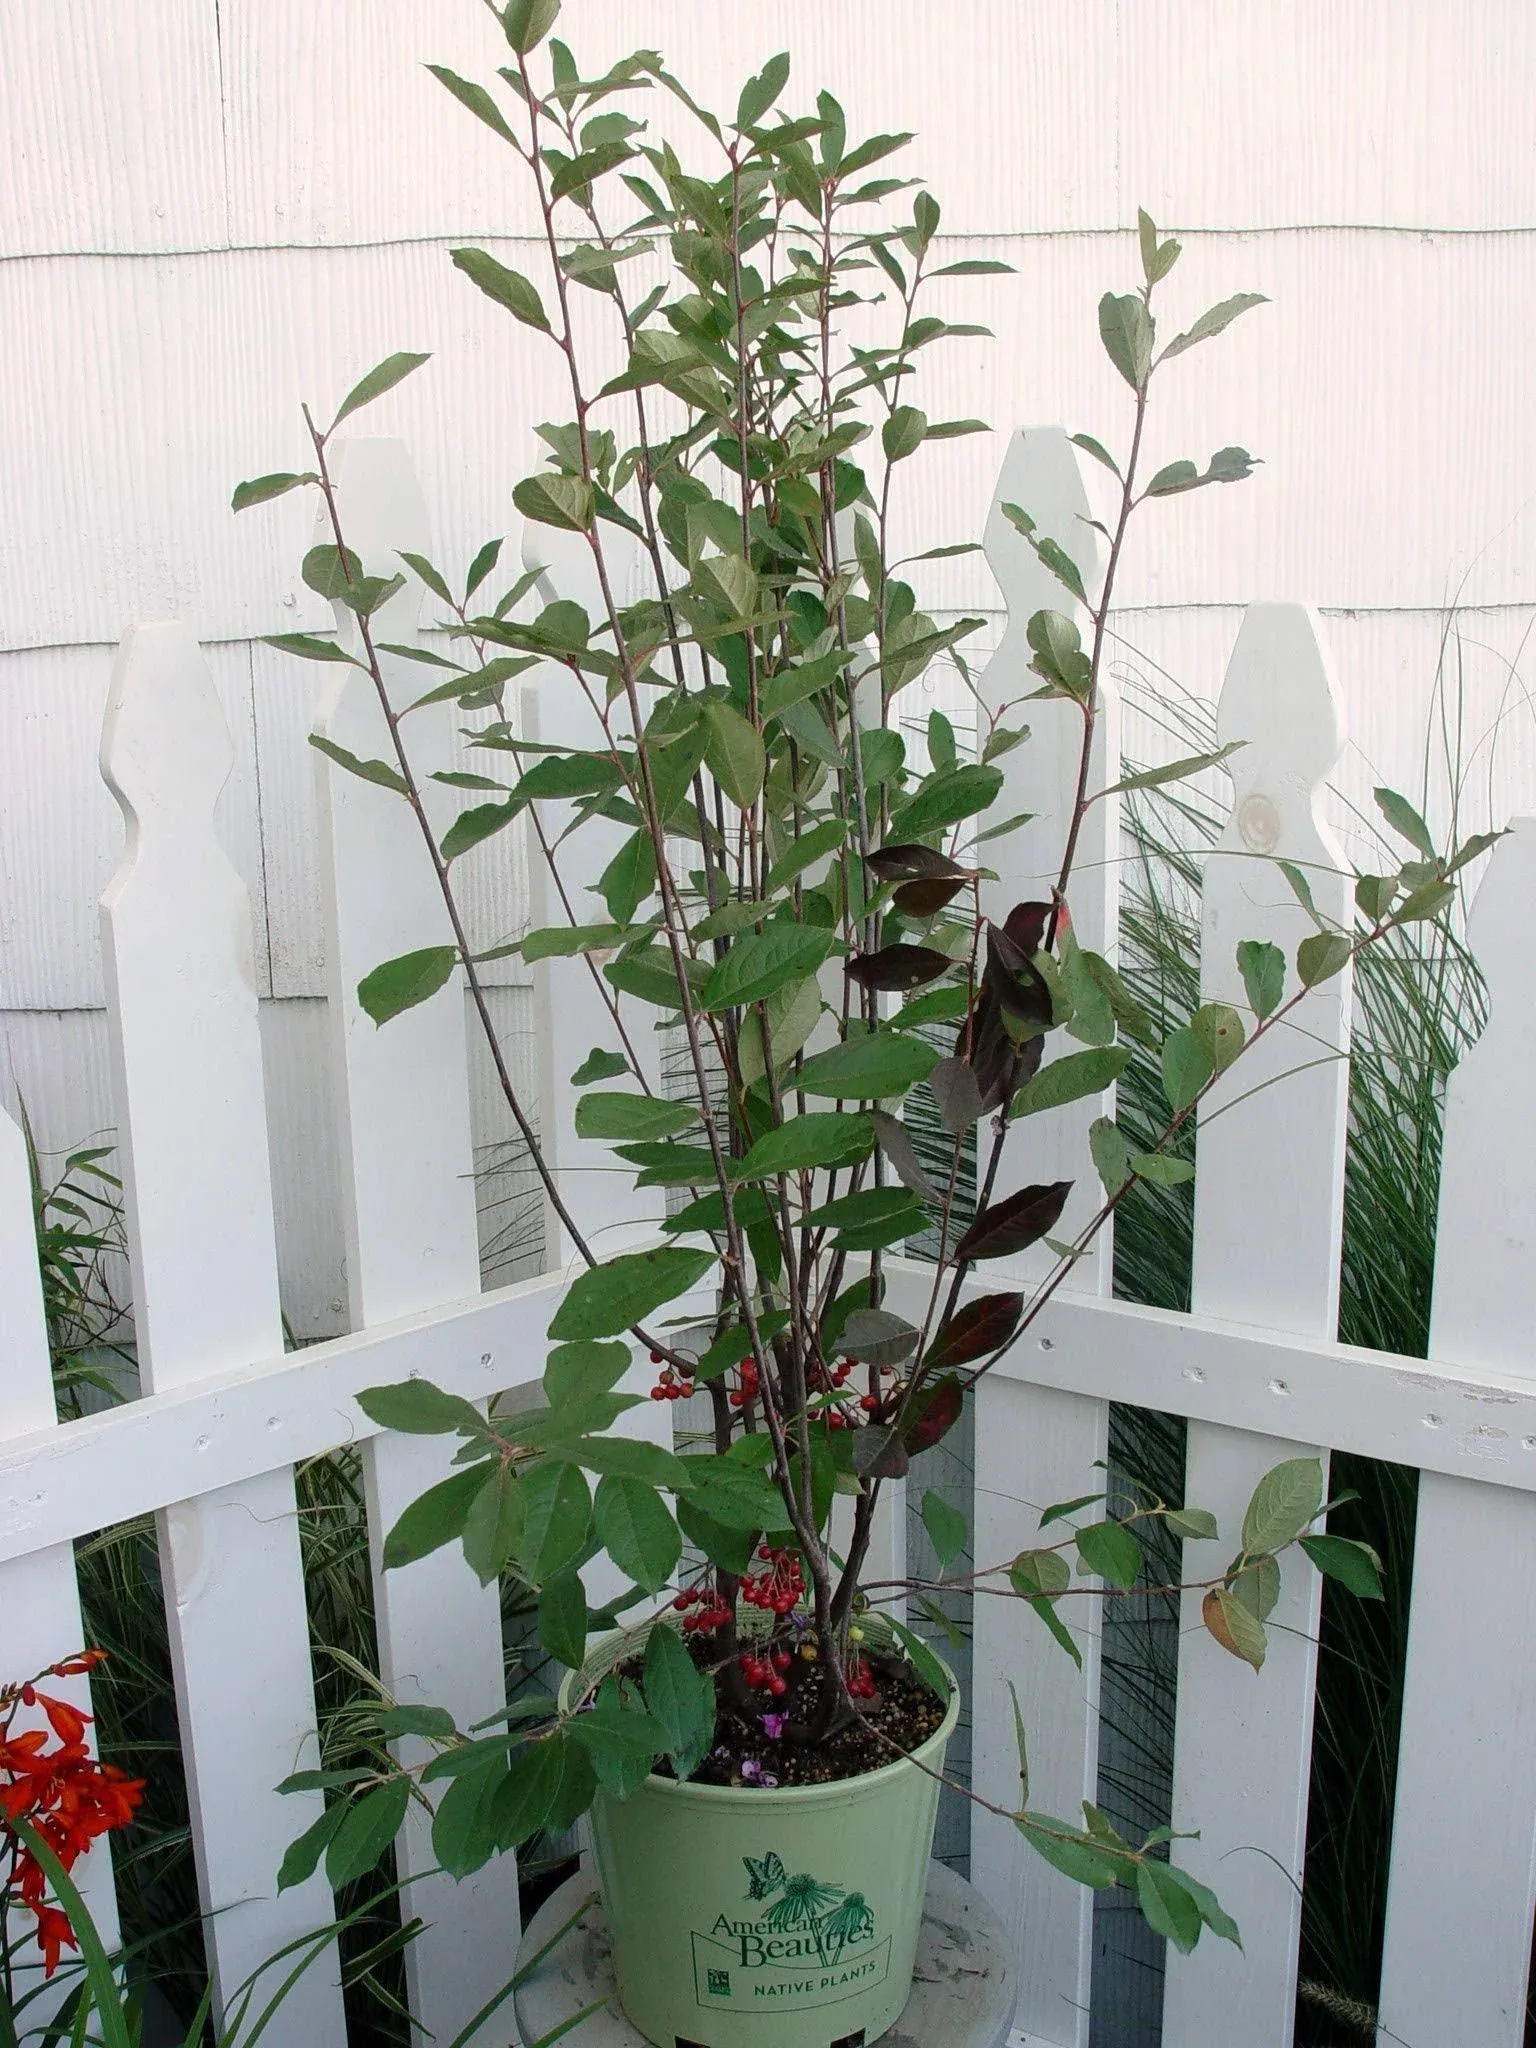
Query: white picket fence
column 224, row 1415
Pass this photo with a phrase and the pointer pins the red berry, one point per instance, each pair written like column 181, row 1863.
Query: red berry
column 658, row 1393
column 777, row 1686
column 655, row 1358
column 869, row 1403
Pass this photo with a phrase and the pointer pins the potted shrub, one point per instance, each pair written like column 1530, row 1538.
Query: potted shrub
column 802, row 903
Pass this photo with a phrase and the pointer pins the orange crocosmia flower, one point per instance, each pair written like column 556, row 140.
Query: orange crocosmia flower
column 68, row 1723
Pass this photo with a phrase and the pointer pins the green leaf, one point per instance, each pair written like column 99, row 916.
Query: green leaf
column 302, row 1858
column 759, row 963
column 1097, row 450
column 1355, row 1565
column 1059, row 655
column 599, row 1066
column 528, row 22
column 1321, row 957
column 1262, row 967
column 1110, row 1154
column 1192, row 1525
column 1239, row 1631
column 820, row 1138
column 476, row 98
column 436, row 1517
column 1040, row 1576
column 561, row 941
column 734, row 753
column 418, row 1408
column 1186, row 1067
column 1162, row 1169
column 1062, row 567
column 680, row 1698
column 803, row 852
column 369, row 771
column 1069, row 1850
column 371, row 1824
column 563, row 1618
column 636, row 1528
column 760, row 92
column 944, row 800
column 463, row 1836
column 401, row 984
column 577, row 1372
column 494, row 1526
column 1219, row 1029
column 309, row 647
column 612, row 1297
column 730, row 1546
column 383, row 377
column 1425, row 902
column 629, row 877
column 903, row 433
column 1069, row 1079
column 630, row 1458
column 1174, row 771
column 1212, row 322
column 1285, row 1501
column 948, row 1530
column 869, row 1068
column 1125, row 328
column 922, row 1660
column 508, row 288
column 480, row 821
column 1257, row 1586
column 1110, row 1550
column 1166, row 1905
column 559, row 1515
column 612, row 1113
column 550, row 500
column 526, row 1794
column 260, row 488
column 1211, row 1910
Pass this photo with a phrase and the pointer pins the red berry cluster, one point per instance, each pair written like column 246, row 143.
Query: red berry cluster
column 778, row 1586
column 750, row 1384
column 674, row 1384
column 861, row 1680
column 701, row 1609
column 767, row 1672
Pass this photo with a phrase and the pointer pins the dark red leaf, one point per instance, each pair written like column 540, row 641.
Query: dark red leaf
column 924, row 898
column 1012, row 1225
column 934, row 1414
column 891, row 1136
column 980, row 1327
column 1025, row 924
column 1015, row 980
column 957, row 1093
column 899, row 967
column 902, row 863
column 879, row 1452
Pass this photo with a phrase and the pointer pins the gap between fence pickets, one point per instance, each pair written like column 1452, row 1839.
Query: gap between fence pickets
column 69, row 1481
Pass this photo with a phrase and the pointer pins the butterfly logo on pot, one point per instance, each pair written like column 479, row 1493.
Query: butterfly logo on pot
column 765, row 1876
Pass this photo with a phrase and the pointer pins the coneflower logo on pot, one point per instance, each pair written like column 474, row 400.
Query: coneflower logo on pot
column 811, row 1943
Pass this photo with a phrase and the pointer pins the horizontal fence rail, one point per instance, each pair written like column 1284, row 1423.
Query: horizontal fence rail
column 225, row 1414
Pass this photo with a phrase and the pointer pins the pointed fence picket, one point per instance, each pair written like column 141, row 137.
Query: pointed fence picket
column 408, row 1200
column 224, row 1414
column 1268, row 1224
column 1463, row 1879
column 1037, row 1445
column 192, row 1134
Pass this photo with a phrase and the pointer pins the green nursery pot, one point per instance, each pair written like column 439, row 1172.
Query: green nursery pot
column 767, row 1919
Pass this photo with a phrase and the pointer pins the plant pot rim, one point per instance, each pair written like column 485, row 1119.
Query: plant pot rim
column 609, row 1648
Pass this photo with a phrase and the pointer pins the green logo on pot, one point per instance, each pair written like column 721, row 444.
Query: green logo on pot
column 812, row 1943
